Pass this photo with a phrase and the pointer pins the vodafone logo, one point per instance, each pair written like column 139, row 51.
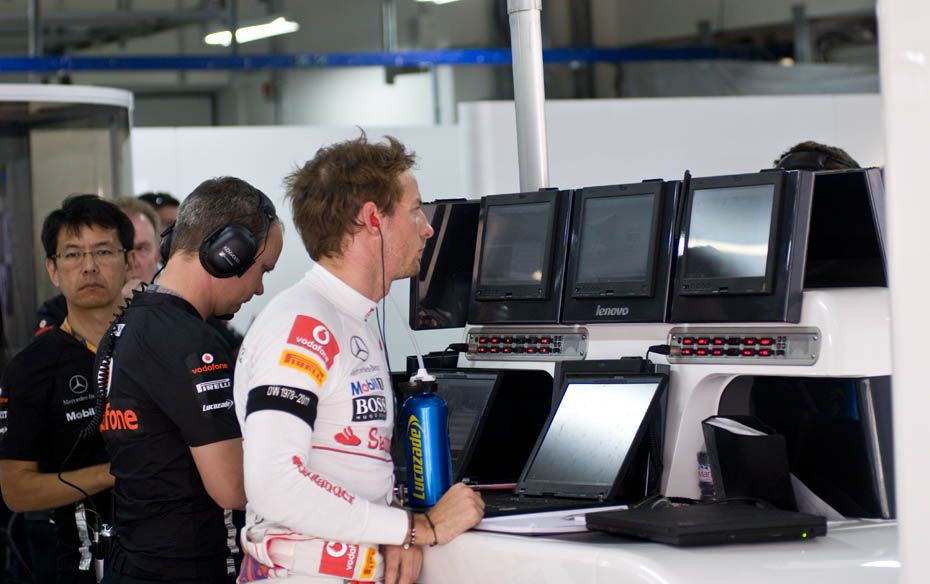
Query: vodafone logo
column 339, row 559
column 322, row 335
column 311, row 334
column 207, row 358
column 336, row 549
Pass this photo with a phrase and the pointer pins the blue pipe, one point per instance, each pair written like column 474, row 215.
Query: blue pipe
column 243, row 62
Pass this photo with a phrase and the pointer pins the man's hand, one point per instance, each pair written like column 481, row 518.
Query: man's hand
column 457, row 511
column 401, row 566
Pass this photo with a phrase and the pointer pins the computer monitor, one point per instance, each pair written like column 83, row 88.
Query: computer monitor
column 741, row 243
column 845, row 245
column 441, row 292
column 616, row 419
column 520, row 262
column 494, row 419
column 620, row 254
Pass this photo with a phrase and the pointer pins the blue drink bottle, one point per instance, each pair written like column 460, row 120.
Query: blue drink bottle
column 426, row 447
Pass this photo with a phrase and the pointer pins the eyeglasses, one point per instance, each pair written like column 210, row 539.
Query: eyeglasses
column 71, row 259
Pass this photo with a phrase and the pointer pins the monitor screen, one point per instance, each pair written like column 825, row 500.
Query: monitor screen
column 592, row 432
column 467, row 398
column 616, row 239
column 729, row 232
column 514, row 251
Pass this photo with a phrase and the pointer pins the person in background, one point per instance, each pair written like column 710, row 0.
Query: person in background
column 169, row 425
column 165, row 205
column 317, row 418
column 46, row 393
column 147, row 225
column 811, row 155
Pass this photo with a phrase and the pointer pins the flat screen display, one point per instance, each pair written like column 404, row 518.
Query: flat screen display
column 467, row 398
column 514, row 248
column 616, row 239
column 592, row 432
column 728, row 234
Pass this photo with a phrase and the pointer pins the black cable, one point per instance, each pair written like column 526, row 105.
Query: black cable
column 14, row 549
column 658, row 350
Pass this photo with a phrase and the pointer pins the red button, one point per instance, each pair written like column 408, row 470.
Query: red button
column 765, row 341
column 544, row 349
column 687, row 341
column 544, row 340
column 764, row 352
column 495, row 340
column 482, row 349
column 686, row 352
column 719, row 341
column 749, row 341
column 701, row 352
column 703, row 341
column 493, row 349
column 530, row 350
column 717, row 351
column 482, row 339
column 748, row 352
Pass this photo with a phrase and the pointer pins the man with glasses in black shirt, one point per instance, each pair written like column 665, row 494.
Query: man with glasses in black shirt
column 46, row 394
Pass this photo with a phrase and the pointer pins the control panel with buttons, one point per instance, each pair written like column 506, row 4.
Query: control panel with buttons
column 487, row 343
column 745, row 346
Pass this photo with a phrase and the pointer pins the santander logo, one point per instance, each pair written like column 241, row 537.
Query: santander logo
column 311, row 334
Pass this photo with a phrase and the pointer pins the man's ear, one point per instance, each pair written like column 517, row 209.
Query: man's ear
column 370, row 217
column 52, row 270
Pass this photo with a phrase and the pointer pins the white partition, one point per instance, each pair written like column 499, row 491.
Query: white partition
column 178, row 159
column 611, row 141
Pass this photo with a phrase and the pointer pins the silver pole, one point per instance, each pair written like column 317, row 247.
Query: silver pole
column 529, row 93
column 36, row 42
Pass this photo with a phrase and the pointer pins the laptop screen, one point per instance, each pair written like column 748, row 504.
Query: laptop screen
column 592, row 432
column 467, row 398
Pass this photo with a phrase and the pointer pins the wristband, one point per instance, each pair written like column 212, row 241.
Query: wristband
column 432, row 528
column 413, row 532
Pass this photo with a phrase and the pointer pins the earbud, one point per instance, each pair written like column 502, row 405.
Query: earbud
column 374, row 221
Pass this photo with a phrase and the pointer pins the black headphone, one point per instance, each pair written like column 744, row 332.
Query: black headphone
column 231, row 249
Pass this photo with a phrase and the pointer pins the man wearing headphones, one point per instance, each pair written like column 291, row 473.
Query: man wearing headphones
column 47, row 396
column 312, row 386
column 169, row 423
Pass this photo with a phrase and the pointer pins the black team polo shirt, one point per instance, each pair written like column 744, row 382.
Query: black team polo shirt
column 170, row 390
column 46, row 400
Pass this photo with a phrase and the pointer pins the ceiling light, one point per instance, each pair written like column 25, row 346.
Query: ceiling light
column 253, row 32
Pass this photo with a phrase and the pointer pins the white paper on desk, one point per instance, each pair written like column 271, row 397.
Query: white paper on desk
column 544, row 523
column 809, row 502
column 734, row 427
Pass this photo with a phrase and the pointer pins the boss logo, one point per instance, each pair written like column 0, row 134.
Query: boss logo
column 366, row 409
column 612, row 310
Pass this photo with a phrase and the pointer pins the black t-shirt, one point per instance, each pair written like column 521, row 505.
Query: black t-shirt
column 170, row 390
column 52, row 313
column 46, row 400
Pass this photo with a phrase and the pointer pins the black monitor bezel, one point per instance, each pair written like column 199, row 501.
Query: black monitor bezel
column 485, row 292
column 431, row 256
column 738, row 286
column 598, row 492
column 643, row 288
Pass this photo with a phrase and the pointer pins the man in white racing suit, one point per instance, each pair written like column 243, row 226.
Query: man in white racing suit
column 312, row 386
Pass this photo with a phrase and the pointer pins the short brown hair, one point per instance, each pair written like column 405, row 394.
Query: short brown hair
column 217, row 202
column 132, row 205
column 327, row 193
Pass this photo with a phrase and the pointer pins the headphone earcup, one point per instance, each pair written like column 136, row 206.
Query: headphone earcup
column 164, row 248
column 229, row 251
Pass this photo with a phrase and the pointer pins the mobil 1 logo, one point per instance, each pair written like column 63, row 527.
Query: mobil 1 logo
column 368, row 408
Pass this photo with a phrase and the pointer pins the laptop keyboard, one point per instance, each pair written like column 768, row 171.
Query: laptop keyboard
column 510, row 504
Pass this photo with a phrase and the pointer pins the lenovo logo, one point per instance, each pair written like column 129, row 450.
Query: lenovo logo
column 612, row 310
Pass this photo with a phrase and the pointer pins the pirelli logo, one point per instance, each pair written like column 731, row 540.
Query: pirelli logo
column 211, row 385
column 305, row 364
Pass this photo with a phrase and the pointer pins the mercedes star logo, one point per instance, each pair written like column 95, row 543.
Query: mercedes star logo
column 359, row 348
column 77, row 384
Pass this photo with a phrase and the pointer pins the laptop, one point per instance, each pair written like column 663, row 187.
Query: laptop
column 709, row 524
column 493, row 422
column 588, row 446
